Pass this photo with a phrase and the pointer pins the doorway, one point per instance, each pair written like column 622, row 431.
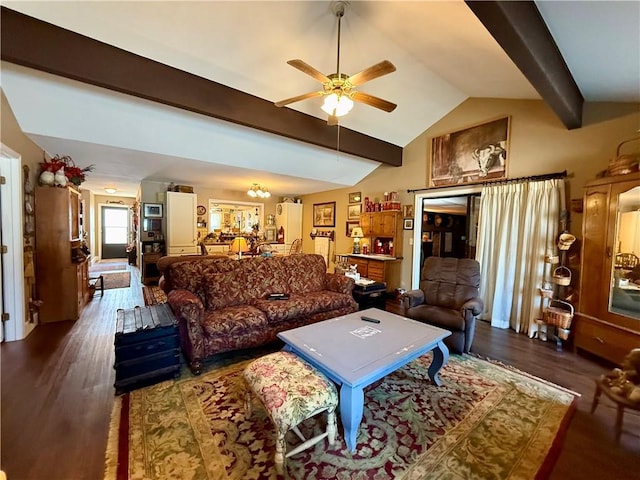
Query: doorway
column 449, row 226
column 115, row 231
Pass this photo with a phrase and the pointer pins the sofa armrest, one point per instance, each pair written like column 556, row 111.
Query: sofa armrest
column 474, row 305
column 339, row 283
column 414, row 297
column 188, row 310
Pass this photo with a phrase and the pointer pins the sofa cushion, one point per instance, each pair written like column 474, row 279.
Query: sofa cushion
column 306, row 273
column 234, row 322
column 439, row 316
column 301, row 305
column 227, row 289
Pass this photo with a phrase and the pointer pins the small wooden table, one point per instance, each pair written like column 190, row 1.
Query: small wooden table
column 355, row 353
column 621, row 403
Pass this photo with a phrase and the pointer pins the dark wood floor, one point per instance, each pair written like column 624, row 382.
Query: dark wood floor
column 57, row 395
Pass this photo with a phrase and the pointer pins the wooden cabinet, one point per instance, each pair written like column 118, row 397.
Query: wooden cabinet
column 386, row 226
column 150, row 271
column 380, row 224
column 62, row 279
column 600, row 327
column 387, row 271
column 182, row 231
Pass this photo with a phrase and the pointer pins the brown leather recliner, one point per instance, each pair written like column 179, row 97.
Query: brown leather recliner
column 448, row 298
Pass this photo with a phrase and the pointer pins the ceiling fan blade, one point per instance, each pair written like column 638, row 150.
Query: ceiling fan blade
column 309, row 70
column 373, row 101
column 375, row 71
column 332, row 120
column 304, row 96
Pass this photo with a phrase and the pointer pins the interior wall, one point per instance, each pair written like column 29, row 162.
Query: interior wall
column 538, row 144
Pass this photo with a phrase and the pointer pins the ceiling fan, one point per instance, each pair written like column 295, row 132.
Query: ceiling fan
column 339, row 88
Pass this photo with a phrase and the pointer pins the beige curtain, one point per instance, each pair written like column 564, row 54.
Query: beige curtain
column 518, row 225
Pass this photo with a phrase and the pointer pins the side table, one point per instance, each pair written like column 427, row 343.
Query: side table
column 373, row 295
column 147, row 347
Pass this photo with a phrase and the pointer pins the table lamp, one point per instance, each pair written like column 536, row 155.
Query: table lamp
column 239, row 246
column 356, row 234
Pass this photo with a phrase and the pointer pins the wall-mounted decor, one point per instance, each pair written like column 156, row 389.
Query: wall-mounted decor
column 408, row 210
column 354, row 211
column 355, row 197
column 350, row 227
column 474, row 154
column 408, row 224
column 324, row 214
column 153, row 210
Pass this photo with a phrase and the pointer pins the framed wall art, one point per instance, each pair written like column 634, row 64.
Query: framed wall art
column 152, row 210
column 324, row 214
column 350, row 227
column 354, row 211
column 355, row 197
column 408, row 224
column 472, row 155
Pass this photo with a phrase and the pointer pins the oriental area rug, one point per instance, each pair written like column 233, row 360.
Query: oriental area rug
column 485, row 421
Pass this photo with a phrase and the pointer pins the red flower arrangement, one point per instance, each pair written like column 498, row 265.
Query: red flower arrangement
column 75, row 175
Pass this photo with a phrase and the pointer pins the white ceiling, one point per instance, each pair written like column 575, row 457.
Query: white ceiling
column 443, row 55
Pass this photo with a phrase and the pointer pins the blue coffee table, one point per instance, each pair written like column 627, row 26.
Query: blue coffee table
column 355, row 353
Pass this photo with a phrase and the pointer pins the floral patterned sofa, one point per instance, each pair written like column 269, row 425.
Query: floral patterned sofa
column 220, row 303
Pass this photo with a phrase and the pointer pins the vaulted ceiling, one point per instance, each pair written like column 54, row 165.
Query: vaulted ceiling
column 443, row 52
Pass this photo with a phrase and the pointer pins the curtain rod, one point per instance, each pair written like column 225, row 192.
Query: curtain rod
column 533, row 178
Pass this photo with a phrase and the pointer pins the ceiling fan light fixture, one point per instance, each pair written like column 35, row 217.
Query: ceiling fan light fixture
column 337, row 105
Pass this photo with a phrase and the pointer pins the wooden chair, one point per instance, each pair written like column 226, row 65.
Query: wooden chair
column 626, row 260
column 621, row 403
column 296, row 246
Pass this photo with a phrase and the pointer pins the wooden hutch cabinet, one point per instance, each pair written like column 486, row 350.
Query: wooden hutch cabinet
column 62, row 278
column 381, row 266
column 607, row 323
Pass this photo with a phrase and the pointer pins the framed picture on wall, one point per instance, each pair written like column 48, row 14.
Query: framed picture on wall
column 152, row 210
column 355, row 197
column 472, row 155
column 324, row 214
column 354, row 211
column 408, row 224
column 350, row 227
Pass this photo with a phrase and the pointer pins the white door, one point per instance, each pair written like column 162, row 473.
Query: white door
column 12, row 262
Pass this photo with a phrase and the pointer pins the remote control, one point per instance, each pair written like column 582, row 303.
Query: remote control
column 369, row 319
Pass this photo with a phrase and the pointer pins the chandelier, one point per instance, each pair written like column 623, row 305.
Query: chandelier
column 258, row 191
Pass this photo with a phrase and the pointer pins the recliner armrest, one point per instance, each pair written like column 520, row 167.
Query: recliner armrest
column 475, row 305
column 414, row 297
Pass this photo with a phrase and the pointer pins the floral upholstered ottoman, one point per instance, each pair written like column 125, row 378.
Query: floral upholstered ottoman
column 291, row 391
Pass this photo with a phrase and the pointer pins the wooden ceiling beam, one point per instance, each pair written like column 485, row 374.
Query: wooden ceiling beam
column 36, row 44
column 521, row 32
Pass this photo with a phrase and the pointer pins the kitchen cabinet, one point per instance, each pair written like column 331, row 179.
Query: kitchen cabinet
column 378, row 268
column 607, row 322
column 182, row 232
column 385, row 226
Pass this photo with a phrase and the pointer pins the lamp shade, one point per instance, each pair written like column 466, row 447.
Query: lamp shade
column 357, row 233
column 239, row 245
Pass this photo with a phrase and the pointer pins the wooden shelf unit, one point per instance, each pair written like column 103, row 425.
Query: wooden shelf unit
column 62, row 278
